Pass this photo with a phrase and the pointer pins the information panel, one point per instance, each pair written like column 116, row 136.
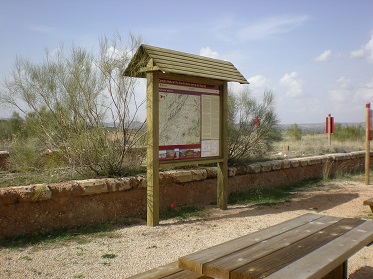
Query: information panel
column 189, row 116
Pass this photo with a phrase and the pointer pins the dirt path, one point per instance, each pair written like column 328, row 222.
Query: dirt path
column 134, row 249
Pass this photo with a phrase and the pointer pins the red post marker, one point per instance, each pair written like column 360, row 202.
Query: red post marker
column 172, row 206
column 329, row 127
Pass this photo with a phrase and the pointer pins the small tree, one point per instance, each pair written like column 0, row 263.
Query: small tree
column 294, row 132
column 70, row 96
column 252, row 126
column 346, row 133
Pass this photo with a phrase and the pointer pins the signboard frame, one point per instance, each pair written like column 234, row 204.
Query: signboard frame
column 189, row 121
column 153, row 147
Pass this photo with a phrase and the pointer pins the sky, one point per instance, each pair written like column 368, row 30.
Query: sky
column 316, row 56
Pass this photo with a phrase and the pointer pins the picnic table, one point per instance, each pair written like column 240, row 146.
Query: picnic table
column 309, row 246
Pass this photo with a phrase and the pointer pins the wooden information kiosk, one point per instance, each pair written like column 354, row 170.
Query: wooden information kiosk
column 187, row 111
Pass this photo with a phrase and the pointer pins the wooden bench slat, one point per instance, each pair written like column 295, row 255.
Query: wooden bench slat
column 224, row 265
column 169, row 271
column 195, row 261
column 325, row 259
column 298, row 249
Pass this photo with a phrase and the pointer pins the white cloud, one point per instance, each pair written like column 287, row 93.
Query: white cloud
column 365, row 91
column 258, row 81
column 293, row 83
column 271, row 26
column 349, row 98
column 342, row 91
column 366, row 51
column 323, row 56
column 345, row 91
column 208, row 52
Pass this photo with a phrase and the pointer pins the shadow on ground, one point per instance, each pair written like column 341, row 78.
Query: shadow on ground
column 313, row 202
column 365, row 272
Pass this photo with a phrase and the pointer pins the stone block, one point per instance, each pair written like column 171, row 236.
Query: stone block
column 199, row 174
column 294, row 163
column 303, row 162
column 32, row 193
column 276, row 165
column 254, row 168
column 241, row 170
column 314, row 160
column 357, row 154
column 181, row 176
column 92, row 186
column 118, row 184
column 8, row 196
column 212, row 172
column 41, row 192
column 343, row 157
column 286, row 164
column 140, row 181
column 266, row 166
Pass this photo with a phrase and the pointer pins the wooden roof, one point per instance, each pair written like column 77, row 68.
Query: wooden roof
column 175, row 62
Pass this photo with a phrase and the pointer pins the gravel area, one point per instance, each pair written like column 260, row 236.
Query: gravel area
column 134, row 249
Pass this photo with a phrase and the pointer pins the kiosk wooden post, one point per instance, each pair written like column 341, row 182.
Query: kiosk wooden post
column 152, row 163
column 367, row 143
column 222, row 191
column 173, row 72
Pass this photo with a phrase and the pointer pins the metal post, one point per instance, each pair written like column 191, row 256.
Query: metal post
column 329, row 130
column 367, row 143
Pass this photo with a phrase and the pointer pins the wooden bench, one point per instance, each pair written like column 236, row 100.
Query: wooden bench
column 311, row 246
column 169, row 271
column 370, row 203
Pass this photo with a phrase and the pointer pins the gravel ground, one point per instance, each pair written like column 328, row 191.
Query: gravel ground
column 131, row 250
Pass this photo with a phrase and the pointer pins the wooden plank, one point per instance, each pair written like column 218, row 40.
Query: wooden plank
column 328, row 257
column 195, row 261
column 149, row 69
column 176, row 63
column 170, row 271
column 301, row 245
column 158, row 272
column 193, row 79
column 189, row 64
column 255, row 259
column 152, row 156
column 168, row 52
column 172, row 164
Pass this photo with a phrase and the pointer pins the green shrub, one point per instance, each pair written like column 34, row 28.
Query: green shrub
column 294, row 132
column 347, row 133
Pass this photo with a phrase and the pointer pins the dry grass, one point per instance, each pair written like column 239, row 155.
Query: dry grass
column 314, row 144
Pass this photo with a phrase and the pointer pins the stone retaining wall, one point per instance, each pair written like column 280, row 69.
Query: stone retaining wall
column 43, row 207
